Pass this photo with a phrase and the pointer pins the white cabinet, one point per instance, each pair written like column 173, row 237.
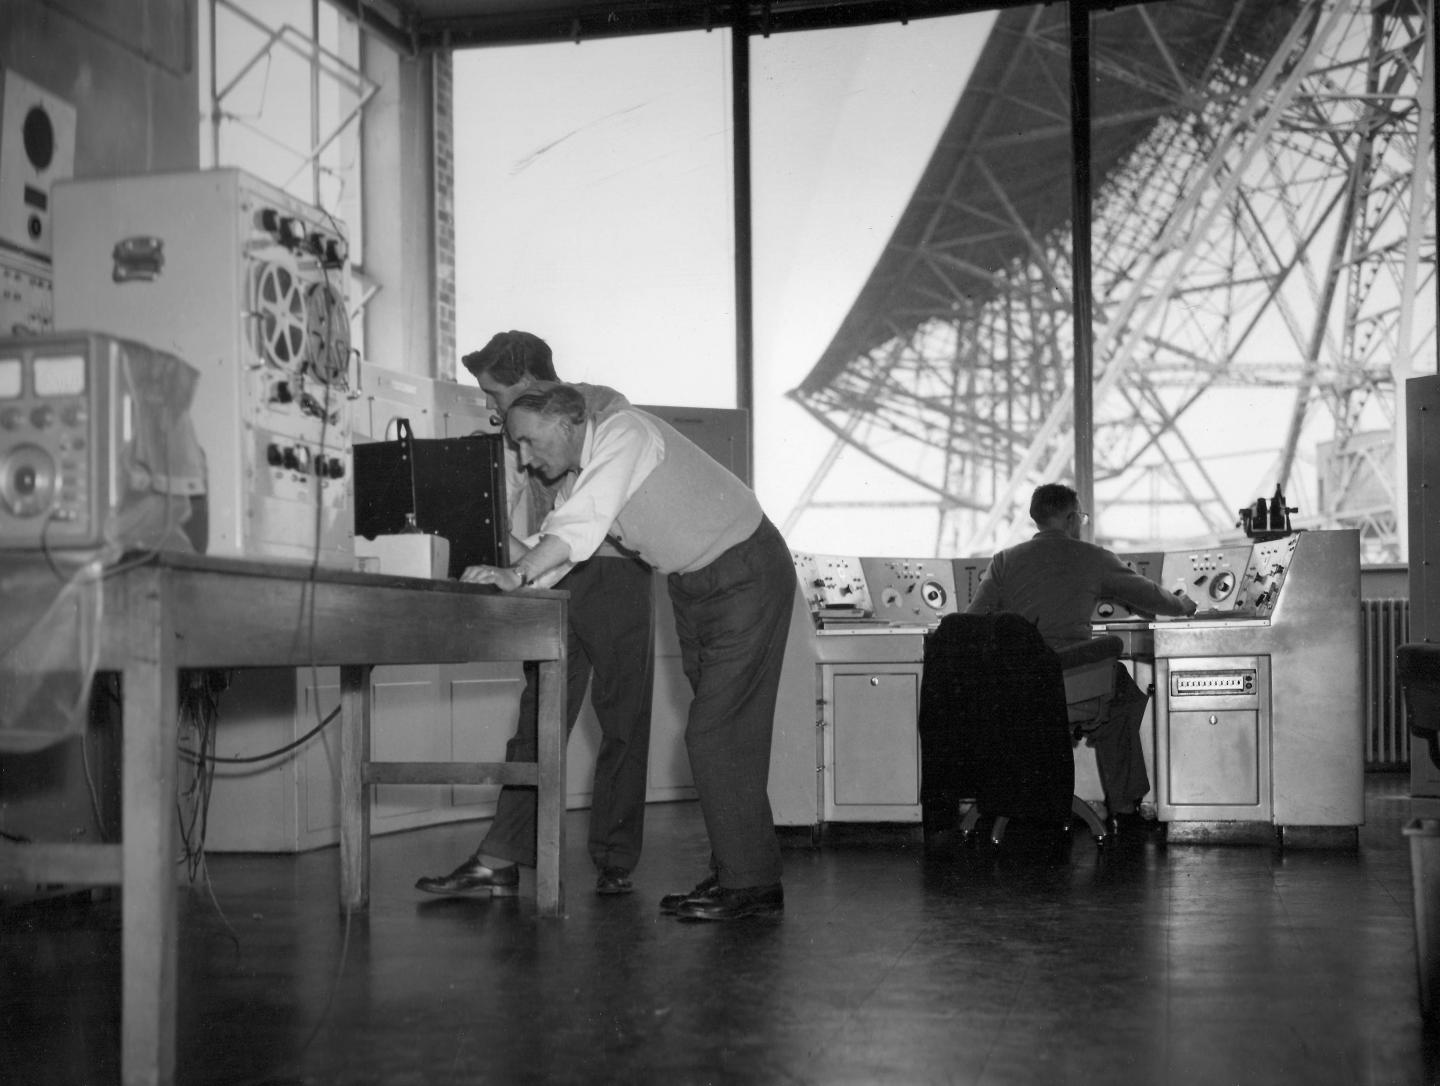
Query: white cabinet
column 871, row 742
column 1213, row 739
column 847, row 741
column 289, row 802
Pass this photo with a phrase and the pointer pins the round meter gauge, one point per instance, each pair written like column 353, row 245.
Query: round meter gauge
column 934, row 595
column 1222, row 584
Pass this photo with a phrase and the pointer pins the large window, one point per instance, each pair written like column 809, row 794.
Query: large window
column 844, row 123
column 593, row 207
column 281, row 96
column 1260, row 271
column 1261, row 264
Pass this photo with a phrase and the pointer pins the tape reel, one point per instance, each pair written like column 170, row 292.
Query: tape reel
column 301, row 325
column 328, row 335
column 281, row 324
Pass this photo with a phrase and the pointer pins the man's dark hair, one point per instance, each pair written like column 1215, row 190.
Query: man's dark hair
column 553, row 401
column 1052, row 499
column 511, row 356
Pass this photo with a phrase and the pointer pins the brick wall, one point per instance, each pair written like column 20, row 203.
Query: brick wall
column 446, row 356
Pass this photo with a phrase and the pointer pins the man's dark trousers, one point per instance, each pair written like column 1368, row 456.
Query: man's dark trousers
column 612, row 635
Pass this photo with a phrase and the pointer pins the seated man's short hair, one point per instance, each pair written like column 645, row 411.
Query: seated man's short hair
column 1052, row 499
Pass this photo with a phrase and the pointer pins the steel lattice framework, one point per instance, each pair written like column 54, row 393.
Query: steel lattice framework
column 1263, row 267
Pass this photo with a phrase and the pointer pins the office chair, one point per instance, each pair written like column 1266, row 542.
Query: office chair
column 1088, row 671
column 995, row 726
column 1418, row 666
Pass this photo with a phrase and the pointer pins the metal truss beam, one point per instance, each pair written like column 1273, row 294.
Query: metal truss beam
column 1264, row 236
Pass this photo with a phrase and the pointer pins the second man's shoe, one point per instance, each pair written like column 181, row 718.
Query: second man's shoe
column 707, row 887
column 474, row 879
column 613, row 880
column 726, row 904
column 1131, row 825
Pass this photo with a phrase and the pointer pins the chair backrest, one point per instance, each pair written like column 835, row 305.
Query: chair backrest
column 993, row 723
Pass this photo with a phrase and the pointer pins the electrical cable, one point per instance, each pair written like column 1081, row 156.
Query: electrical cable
column 222, row 759
column 200, row 703
column 324, row 1016
column 199, row 707
column 90, row 786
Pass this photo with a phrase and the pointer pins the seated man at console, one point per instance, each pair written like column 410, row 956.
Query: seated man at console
column 1054, row 579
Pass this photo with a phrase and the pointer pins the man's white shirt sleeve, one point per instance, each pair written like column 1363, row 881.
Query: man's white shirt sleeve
column 618, row 456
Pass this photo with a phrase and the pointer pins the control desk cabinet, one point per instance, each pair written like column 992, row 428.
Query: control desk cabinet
column 1256, row 712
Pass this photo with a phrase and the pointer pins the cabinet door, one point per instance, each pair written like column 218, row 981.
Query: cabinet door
column 1213, row 739
column 873, row 744
column 1215, row 758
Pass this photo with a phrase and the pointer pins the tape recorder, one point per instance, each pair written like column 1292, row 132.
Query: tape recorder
column 247, row 284
column 94, row 440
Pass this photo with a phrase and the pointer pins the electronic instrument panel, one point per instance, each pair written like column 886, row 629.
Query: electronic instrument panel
column 88, row 423
column 247, row 284
column 844, row 591
column 910, row 590
column 1240, row 580
column 1243, row 579
column 833, row 585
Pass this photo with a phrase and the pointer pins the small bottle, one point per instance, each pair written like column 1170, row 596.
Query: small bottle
column 1277, row 511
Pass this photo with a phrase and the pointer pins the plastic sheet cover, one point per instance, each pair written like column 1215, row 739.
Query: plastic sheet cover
column 53, row 608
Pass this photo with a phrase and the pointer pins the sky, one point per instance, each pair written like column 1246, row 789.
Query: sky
column 593, row 207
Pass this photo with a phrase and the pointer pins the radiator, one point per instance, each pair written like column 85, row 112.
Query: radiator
column 1386, row 628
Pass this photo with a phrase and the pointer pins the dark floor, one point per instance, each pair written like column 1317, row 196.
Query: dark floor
column 1187, row 964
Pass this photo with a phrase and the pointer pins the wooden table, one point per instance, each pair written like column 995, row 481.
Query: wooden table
column 170, row 611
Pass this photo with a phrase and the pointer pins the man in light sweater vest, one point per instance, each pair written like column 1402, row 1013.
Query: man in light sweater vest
column 632, row 477
column 611, row 635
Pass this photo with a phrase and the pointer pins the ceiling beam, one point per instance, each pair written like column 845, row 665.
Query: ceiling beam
column 492, row 25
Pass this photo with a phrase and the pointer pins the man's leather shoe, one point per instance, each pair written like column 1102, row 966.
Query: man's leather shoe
column 613, row 880
column 706, row 888
column 1131, row 825
column 474, row 879
column 734, row 904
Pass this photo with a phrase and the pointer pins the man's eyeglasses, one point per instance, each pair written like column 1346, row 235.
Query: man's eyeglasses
column 1084, row 516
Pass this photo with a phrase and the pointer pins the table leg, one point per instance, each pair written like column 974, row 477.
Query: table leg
column 354, row 792
column 149, row 708
column 550, row 793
